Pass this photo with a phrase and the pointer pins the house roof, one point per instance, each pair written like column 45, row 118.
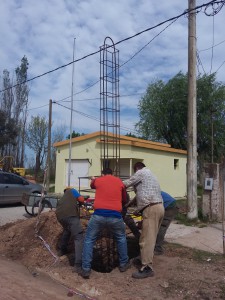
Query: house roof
column 124, row 140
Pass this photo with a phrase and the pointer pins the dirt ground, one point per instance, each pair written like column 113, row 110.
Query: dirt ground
column 31, row 269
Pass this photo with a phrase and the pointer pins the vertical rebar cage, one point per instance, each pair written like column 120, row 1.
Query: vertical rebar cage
column 109, row 107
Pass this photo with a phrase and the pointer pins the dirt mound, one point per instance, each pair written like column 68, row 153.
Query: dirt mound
column 181, row 273
column 19, row 242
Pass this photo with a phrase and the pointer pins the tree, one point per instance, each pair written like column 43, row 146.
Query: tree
column 74, row 134
column 133, row 135
column 8, row 131
column 14, row 102
column 163, row 114
column 7, row 95
column 20, row 108
column 57, row 136
column 37, row 140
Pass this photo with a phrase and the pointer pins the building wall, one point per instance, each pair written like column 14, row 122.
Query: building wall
column 161, row 163
column 87, row 149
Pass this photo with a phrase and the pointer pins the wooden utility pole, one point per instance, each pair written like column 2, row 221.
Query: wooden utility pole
column 192, row 116
column 49, row 146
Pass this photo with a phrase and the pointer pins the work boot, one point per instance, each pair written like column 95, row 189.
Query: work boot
column 85, row 274
column 144, row 273
column 77, row 269
column 125, row 267
column 137, row 262
column 158, row 250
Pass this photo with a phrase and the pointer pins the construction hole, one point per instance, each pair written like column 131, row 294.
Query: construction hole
column 105, row 255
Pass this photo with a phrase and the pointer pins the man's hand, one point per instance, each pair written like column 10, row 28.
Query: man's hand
column 136, row 212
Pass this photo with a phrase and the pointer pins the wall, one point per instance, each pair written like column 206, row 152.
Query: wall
column 161, row 163
column 212, row 199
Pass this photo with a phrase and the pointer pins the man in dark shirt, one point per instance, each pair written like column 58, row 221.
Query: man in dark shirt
column 170, row 212
column 67, row 213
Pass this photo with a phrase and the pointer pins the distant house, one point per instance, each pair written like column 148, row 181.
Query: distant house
column 168, row 164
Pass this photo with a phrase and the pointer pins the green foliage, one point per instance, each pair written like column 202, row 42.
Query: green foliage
column 163, row 114
column 8, row 130
column 37, row 139
column 74, row 134
column 37, row 133
column 134, row 136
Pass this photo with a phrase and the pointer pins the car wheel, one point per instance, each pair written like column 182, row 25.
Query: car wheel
column 28, row 210
column 44, row 204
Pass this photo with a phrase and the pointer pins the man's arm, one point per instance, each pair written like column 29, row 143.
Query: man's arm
column 93, row 183
column 131, row 202
column 77, row 195
column 80, row 199
column 133, row 180
column 124, row 196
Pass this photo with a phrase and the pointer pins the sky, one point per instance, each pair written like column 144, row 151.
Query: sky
column 51, row 32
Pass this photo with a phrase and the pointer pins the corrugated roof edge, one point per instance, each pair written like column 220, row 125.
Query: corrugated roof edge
column 133, row 141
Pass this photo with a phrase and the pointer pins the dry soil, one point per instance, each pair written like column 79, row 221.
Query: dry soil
column 31, row 269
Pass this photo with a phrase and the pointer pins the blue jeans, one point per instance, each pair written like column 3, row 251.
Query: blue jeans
column 96, row 224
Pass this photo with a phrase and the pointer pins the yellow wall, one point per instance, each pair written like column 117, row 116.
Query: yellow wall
column 161, row 163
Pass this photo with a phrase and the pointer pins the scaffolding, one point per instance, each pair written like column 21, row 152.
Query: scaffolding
column 109, row 107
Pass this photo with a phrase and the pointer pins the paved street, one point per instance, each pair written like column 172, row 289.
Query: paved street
column 10, row 213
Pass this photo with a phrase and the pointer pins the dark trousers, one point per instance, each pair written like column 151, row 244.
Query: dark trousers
column 72, row 228
column 169, row 215
column 129, row 221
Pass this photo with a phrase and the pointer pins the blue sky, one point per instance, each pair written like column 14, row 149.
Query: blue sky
column 44, row 31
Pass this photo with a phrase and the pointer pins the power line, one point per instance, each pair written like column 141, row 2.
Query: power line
column 88, row 99
column 91, row 117
column 119, row 42
column 212, row 46
column 220, row 66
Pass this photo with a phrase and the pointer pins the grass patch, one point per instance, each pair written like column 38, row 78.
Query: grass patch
column 52, row 189
column 194, row 254
column 182, row 218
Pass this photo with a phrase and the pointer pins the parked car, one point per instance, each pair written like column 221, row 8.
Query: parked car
column 13, row 186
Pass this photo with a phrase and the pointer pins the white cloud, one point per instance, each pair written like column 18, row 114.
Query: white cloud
column 44, row 31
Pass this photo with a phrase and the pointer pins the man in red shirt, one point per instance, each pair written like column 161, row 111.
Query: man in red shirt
column 110, row 193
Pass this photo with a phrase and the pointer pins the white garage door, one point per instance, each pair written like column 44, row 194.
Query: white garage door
column 79, row 168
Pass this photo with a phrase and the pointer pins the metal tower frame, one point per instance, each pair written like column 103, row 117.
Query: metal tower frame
column 109, row 107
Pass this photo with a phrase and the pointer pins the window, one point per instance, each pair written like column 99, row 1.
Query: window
column 176, row 164
column 1, row 178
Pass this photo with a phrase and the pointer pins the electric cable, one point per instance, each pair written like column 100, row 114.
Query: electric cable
column 212, row 46
column 221, row 2
column 88, row 99
column 92, row 117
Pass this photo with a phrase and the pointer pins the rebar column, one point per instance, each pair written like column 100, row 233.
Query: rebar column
column 109, row 107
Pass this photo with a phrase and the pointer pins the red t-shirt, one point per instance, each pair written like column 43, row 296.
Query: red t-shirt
column 110, row 192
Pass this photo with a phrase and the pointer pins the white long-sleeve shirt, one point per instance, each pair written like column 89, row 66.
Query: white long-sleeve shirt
column 147, row 187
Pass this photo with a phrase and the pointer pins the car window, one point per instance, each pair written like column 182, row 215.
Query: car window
column 10, row 179
column 15, row 179
column 6, row 178
column 1, row 178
